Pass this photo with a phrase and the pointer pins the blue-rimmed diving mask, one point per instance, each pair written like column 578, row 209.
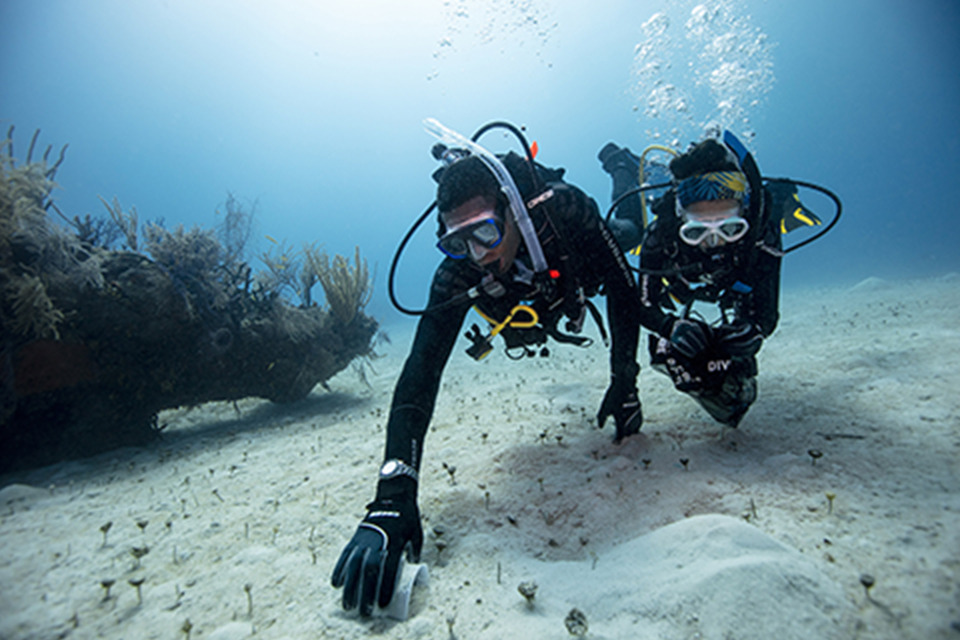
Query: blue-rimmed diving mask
column 486, row 232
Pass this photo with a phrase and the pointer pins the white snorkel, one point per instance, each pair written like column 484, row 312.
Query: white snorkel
column 453, row 139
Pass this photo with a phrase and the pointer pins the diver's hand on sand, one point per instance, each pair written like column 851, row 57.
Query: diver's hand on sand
column 372, row 557
column 624, row 406
column 621, row 402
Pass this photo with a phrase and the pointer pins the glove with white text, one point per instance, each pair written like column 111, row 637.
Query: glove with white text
column 622, row 402
column 368, row 566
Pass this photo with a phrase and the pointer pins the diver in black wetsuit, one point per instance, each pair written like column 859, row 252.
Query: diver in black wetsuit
column 492, row 264
column 716, row 238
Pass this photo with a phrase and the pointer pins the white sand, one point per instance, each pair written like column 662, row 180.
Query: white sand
column 267, row 498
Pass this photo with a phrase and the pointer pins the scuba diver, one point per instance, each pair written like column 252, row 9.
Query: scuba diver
column 527, row 250
column 716, row 238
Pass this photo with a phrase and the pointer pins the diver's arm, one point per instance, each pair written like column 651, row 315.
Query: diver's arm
column 368, row 565
column 416, row 391
column 623, row 302
column 764, row 309
column 604, row 263
column 603, row 257
column 652, row 290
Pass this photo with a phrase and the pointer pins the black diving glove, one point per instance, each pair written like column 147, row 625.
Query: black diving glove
column 741, row 340
column 622, row 402
column 690, row 337
column 370, row 561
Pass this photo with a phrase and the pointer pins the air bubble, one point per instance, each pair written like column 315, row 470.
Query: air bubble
column 726, row 63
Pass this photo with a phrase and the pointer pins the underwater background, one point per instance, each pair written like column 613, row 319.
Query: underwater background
column 312, row 111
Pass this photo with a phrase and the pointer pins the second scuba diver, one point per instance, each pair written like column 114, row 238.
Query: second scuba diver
column 528, row 250
column 716, row 239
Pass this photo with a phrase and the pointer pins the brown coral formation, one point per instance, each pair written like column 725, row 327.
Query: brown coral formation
column 95, row 342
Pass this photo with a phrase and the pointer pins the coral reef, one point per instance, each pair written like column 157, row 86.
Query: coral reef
column 33, row 311
column 126, row 222
column 96, row 342
column 282, row 271
column 347, row 287
column 26, row 309
column 234, row 230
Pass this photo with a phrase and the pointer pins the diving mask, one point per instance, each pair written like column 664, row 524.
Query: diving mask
column 729, row 228
column 487, row 233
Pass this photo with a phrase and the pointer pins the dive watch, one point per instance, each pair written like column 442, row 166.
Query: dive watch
column 395, row 468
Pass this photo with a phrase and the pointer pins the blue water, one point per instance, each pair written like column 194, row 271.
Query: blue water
column 313, row 110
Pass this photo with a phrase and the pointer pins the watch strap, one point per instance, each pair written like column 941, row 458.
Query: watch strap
column 395, row 468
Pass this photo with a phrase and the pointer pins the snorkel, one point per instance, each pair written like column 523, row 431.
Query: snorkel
column 459, row 147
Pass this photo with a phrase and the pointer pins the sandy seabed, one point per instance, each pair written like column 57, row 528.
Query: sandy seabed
column 238, row 513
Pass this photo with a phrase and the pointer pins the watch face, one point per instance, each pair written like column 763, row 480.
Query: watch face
column 389, row 467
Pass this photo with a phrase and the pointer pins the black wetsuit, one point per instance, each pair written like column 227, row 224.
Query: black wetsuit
column 579, row 247
column 743, row 278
